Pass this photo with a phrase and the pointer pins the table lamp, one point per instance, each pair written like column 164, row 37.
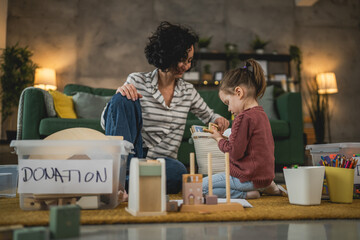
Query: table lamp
column 45, row 78
column 327, row 85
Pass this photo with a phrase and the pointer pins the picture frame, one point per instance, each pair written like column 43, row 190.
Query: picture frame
column 218, row 76
column 278, row 77
column 264, row 66
column 193, row 77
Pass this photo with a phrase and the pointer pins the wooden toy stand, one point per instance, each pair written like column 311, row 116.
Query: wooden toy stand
column 228, row 206
column 147, row 187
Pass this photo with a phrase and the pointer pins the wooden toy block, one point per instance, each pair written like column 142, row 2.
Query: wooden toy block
column 56, row 196
column 147, row 187
column 192, row 178
column 150, row 170
column 89, row 202
column 31, row 203
column 51, row 202
column 211, row 199
column 64, row 221
column 192, row 189
column 79, row 157
column 192, row 193
column 66, row 201
column 38, row 233
column 7, row 232
column 172, row 206
column 115, row 137
column 150, row 194
column 152, row 161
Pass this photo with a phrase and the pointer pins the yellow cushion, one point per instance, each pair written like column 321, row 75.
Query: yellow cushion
column 63, row 104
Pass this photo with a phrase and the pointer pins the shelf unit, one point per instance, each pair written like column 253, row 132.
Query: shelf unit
column 282, row 60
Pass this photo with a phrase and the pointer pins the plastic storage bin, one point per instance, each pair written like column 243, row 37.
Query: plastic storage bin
column 73, row 150
column 8, row 180
column 318, row 150
column 304, row 184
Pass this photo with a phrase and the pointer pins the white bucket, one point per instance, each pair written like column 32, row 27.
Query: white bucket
column 304, row 184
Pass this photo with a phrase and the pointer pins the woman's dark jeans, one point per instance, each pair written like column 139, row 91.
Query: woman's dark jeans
column 123, row 118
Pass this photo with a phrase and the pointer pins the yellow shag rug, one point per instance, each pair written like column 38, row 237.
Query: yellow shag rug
column 264, row 208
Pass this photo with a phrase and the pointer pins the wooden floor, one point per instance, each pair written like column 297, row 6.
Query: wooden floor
column 6, row 155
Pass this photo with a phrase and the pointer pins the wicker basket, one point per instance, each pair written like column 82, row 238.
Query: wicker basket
column 203, row 145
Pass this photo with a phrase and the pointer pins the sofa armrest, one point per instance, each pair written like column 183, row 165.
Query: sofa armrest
column 289, row 106
column 33, row 111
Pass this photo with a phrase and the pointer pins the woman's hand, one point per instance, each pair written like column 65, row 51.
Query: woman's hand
column 222, row 123
column 129, row 91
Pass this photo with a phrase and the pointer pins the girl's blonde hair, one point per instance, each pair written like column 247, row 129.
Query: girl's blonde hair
column 251, row 75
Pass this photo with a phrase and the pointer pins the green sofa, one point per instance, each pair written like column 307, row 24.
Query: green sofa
column 287, row 130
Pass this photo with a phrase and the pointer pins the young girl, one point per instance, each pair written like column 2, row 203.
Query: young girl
column 251, row 144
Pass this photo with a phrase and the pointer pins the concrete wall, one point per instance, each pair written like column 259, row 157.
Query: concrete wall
column 3, row 17
column 98, row 43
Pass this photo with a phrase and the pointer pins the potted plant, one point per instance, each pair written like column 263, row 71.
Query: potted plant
column 316, row 106
column 295, row 55
column 207, row 76
column 17, row 72
column 232, row 54
column 258, row 45
column 204, row 43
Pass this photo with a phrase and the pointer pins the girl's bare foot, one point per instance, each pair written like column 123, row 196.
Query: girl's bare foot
column 272, row 189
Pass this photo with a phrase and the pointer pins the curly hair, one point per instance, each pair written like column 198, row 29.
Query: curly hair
column 169, row 45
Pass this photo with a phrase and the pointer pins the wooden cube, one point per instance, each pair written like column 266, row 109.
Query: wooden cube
column 39, row 233
column 31, row 203
column 89, row 202
column 172, row 206
column 211, row 200
column 67, row 201
column 64, row 221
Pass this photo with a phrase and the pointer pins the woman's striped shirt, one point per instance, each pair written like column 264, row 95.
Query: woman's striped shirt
column 163, row 126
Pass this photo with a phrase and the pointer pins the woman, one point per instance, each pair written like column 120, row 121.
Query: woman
column 152, row 107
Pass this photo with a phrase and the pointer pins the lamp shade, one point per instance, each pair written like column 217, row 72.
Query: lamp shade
column 45, row 78
column 326, row 83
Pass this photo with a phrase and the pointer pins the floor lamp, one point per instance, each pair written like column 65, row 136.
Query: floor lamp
column 327, row 85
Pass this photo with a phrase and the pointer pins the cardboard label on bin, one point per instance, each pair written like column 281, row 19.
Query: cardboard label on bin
column 65, row 176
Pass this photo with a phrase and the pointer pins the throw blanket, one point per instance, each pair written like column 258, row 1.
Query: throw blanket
column 49, row 104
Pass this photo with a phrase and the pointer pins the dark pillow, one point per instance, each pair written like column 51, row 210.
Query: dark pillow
column 268, row 103
column 89, row 105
